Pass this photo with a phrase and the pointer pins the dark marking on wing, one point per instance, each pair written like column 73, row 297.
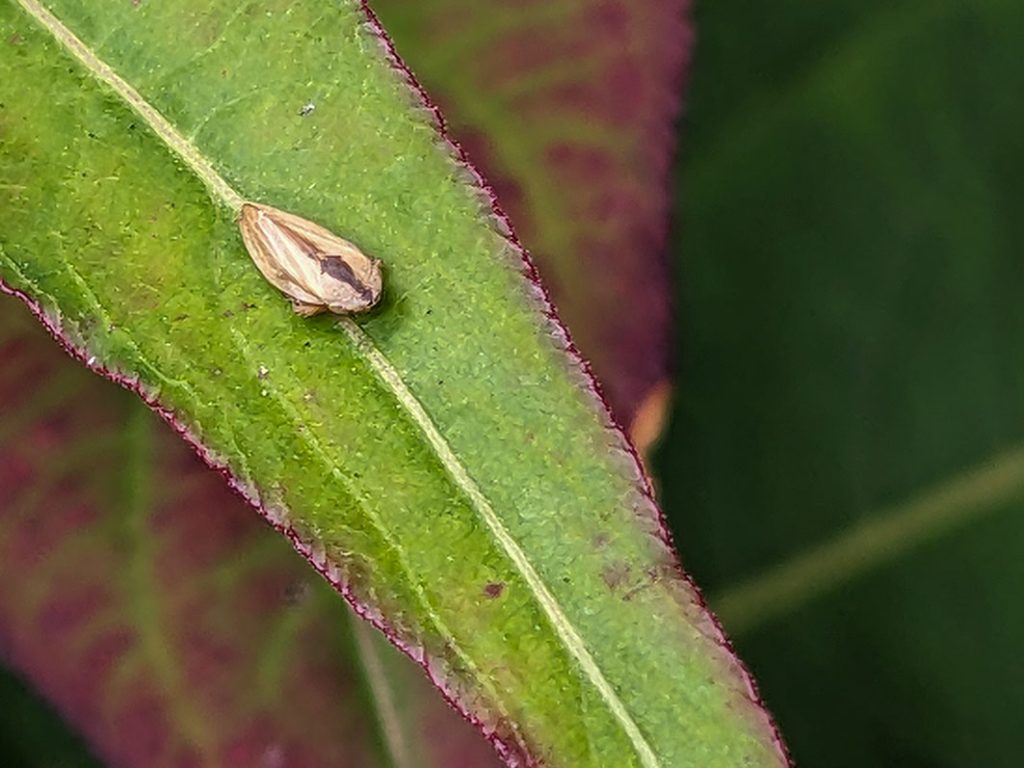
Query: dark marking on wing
column 336, row 267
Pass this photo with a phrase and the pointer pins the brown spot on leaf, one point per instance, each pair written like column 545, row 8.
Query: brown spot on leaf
column 297, row 592
column 616, row 575
column 494, row 589
column 652, row 576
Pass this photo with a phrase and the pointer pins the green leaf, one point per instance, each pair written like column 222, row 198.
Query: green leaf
column 444, row 463
column 155, row 591
column 847, row 450
column 568, row 95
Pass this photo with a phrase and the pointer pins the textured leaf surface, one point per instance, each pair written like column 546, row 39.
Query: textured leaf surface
column 846, row 461
column 165, row 620
column 567, row 108
column 446, row 466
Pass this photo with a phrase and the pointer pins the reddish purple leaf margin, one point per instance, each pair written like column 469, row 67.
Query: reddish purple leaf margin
column 568, row 108
column 265, row 653
column 512, row 751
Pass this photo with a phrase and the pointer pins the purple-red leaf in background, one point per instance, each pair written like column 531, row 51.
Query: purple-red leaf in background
column 154, row 609
column 568, row 109
column 161, row 615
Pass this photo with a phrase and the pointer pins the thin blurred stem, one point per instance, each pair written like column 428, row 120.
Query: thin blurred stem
column 393, row 726
column 879, row 539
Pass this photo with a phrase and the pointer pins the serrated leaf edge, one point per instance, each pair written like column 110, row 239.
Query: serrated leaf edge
column 386, row 372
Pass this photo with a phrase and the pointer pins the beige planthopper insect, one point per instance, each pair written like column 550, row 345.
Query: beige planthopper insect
column 317, row 270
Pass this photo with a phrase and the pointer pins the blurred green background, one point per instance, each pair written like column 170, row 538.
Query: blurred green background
column 843, row 465
column 850, row 371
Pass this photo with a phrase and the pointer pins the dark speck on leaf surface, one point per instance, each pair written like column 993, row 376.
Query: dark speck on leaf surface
column 494, row 589
column 297, row 593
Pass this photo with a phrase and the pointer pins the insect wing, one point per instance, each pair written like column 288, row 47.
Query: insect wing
column 309, row 263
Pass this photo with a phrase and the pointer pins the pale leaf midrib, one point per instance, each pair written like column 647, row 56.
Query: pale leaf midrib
column 203, row 168
column 566, row 631
column 159, row 124
column 308, row 436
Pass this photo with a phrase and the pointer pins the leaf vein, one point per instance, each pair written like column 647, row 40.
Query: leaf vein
column 204, row 169
column 565, row 629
